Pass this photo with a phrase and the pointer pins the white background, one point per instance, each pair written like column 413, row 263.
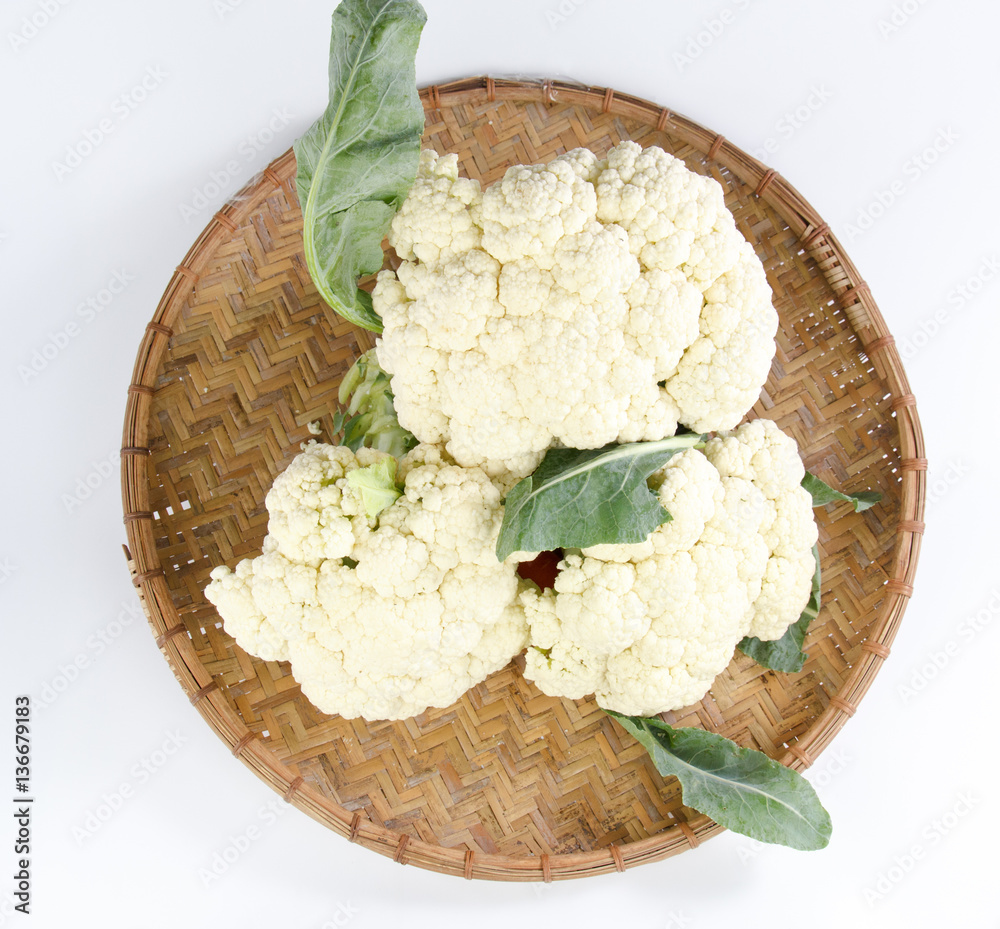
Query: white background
column 910, row 780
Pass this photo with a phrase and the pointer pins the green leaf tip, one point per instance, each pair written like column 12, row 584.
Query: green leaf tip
column 823, row 493
column 740, row 788
column 357, row 162
column 581, row 497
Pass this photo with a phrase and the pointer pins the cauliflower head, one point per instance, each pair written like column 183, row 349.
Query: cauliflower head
column 647, row 627
column 578, row 302
column 380, row 617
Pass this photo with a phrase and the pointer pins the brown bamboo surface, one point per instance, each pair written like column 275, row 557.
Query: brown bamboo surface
column 507, row 784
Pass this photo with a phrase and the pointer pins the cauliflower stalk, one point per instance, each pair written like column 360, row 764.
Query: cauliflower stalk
column 381, row 616
column 574, row 303
column 648, row 626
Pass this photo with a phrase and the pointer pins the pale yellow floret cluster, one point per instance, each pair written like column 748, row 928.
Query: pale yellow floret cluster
column 578, row 302
column 647, row 627
column 379, row 619
column 383, row 618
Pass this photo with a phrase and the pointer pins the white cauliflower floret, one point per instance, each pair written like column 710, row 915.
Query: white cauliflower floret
column 720, row 375
column 594, row 261
column 554, row 662
column 453, row 300
column 690, row 641
column 232, row 594
column 761, row 452
column 309, row 517
column 598, row 609
column 412, row 613
column 647, row 627
column 434, row 222
column 533, row 207
column 578, row 302
column 666, row 304
column 674, row 217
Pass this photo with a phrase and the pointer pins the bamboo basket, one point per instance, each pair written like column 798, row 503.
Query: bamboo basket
column 507, row 784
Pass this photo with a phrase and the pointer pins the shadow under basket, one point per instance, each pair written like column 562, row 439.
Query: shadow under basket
column 507, row 784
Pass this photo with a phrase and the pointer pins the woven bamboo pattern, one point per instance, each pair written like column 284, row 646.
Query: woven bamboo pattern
column 507, row 784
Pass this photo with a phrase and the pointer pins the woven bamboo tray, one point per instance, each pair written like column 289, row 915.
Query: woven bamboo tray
column 507, row 784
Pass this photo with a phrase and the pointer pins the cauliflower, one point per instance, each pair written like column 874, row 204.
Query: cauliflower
column 647, row 627
column 380, row 617
column 578, row 302
column 572, row 304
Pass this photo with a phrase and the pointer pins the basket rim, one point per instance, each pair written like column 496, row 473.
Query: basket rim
column 875, row 342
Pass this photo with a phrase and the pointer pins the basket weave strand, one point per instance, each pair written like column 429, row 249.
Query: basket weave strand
column 507, row 784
